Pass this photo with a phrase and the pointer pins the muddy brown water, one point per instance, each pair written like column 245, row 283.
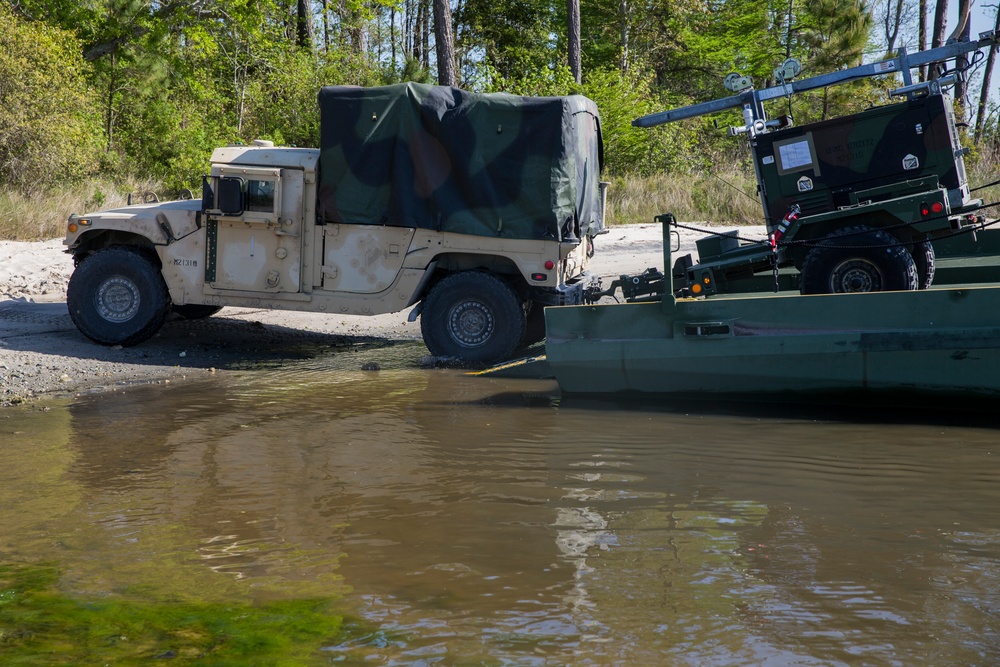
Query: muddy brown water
column 473, row 521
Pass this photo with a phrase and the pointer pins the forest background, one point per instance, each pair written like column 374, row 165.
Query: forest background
column 99, row 98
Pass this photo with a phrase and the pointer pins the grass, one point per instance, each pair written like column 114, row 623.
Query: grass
column 42, row 215
column 982, row 167
column 724, row 199
column 41, row 626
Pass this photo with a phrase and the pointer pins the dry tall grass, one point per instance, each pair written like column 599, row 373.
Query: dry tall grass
column 43, row 215
column 727, row 199
column 983, row 167
column 730, row 198
column 724, row 200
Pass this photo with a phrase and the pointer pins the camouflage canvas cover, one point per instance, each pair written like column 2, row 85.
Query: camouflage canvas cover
column 441, row 158
column 822, row 166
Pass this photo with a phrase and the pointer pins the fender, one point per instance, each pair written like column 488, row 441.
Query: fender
column 159, row 223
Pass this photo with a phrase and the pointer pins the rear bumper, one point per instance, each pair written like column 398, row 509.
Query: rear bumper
column 568, row 294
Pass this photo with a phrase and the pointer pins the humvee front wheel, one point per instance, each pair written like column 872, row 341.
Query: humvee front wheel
column 117, row 296
column 858, row 259
column 472, row 316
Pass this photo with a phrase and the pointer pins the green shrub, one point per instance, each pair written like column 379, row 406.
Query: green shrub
column 48, row 132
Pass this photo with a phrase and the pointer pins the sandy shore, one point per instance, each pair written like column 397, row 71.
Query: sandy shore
column 42, row 353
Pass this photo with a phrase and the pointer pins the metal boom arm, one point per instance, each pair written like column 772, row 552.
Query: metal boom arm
column 903, row 63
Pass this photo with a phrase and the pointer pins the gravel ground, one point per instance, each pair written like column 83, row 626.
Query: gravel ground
column 42, row 353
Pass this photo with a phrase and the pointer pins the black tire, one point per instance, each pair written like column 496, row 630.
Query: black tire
column 195, row 311
column 857, row 259
column 117, row 296
column 474, row 317
column 534, row 331
column 923, row 257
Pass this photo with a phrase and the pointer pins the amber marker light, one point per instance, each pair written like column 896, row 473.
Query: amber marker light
column 76, row 224
column 696, row 288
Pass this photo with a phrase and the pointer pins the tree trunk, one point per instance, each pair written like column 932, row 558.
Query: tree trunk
column 940, row 23
column 623, row 28
column 922, row 35
column 353, row 25
column 326, row 27
column 359, row 35
column 304, row 32
column 892, row 22
column 407, row 28
column 109, row 117
column 962, row 31
column 425, row 35
column 788, row 31
column 445, row 43
column 984, row 94
column 418, row 29
column 573, row 33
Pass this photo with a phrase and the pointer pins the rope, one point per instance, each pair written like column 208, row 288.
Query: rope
column 988, row 185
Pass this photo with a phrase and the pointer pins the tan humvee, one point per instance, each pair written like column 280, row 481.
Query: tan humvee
column 275, row 229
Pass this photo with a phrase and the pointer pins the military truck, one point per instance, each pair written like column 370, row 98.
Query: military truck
column 480, row 209
column 851, row 204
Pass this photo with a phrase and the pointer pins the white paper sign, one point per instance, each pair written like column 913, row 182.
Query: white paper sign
column 795, row 155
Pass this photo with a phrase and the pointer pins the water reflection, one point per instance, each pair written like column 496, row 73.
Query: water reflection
column 493, row 522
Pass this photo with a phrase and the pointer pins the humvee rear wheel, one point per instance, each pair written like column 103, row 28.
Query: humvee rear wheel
column 195, row 311
column 858, row 259
column 472, row 316
column 117, row 296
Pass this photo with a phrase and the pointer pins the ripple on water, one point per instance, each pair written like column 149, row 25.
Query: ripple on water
column 483, row 521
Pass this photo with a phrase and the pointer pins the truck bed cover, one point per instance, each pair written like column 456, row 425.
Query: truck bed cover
column 434, row 157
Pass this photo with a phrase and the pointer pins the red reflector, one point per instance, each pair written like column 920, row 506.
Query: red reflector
column 549, row 264
column 540, row 277
column 937, row 207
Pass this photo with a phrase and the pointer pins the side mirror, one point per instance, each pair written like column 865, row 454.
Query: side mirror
column 207, row 194
column 230, row 195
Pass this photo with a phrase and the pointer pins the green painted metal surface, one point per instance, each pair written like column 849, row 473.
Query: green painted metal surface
column 880, row 155
column 943, row 340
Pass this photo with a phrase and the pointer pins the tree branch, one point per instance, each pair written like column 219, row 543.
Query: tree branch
column 101, row 49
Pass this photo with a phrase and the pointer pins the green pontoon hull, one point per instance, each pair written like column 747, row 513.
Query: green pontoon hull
column 943, row 340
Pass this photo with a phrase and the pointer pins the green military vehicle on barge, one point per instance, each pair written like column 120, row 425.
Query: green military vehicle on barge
column 879, row 188
column 851, row 204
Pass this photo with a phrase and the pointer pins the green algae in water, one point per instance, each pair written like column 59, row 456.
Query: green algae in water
column 41, row 626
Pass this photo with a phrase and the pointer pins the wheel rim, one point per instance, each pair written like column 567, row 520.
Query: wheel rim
column 471, row 323
column 856, row 275
column 117, row 299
